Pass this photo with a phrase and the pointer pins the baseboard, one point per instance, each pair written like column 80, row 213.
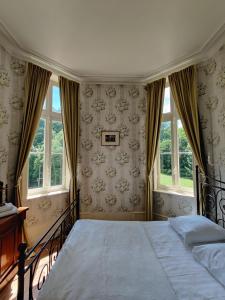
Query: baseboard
column 159, row 217
column 126, row 216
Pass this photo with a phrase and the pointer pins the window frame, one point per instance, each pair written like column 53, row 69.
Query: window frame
column 49, row 116
column 173, row 117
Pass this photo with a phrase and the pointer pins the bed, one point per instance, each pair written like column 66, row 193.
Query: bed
column 105, row 260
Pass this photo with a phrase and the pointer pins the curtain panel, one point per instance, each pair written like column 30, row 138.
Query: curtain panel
column 69, row 94
column 36, row 86
column 183, row 85
column 155, row 96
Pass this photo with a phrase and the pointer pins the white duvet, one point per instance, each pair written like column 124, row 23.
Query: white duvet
column 106, row 260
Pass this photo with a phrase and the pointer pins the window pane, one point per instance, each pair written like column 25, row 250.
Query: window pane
column 56, row 107
column 36, row 158
column 185, row 158
column 36, row 162
column 166, row 103
column 165, row 154
column 44, row 105
column 57, row 153
column 39, row 139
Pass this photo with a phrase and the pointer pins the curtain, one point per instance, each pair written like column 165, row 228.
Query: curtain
column 183, row 85
column 36, row 86
column 155, row 95
column 69, row 91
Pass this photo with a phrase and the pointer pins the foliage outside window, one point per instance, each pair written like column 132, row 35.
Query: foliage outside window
column 175, row 160
column 46, row 163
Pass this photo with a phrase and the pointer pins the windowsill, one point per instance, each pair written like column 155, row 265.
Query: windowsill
column 47, row 194
column 175, row 192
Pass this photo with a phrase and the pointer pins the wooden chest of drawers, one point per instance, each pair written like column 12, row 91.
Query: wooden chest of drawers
column 10, row 238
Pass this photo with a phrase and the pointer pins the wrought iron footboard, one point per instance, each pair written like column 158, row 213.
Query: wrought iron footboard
column 210, row 193
column 47, row 249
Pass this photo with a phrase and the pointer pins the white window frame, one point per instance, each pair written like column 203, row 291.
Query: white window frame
column 48, row 115
column 173, row 117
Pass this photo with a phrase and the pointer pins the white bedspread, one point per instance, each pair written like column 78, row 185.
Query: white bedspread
column 189, row 279
column 104, row 260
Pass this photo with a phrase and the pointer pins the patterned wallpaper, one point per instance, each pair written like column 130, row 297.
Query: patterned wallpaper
column 42, row 210
column 172, row 204
column 211, row 91
column 112, row 178
column 211, row 99
column 12, row 73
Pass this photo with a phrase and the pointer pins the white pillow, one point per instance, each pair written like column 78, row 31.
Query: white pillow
column 197, row 229
column 212, row 257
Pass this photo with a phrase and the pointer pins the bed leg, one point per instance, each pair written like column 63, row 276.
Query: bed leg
column 22, row 257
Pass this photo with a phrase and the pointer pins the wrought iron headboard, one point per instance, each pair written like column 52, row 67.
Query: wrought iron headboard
column 211, row 197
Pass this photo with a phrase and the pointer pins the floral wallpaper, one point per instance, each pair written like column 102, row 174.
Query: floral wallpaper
column 112, row 178
column 172, row 205
column 211, row 91
column 43, row 211
column 211, row 100
column 12, row 73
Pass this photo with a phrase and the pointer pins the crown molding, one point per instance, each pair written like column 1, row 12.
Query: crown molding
column 115, row 79
column 51, row 65
column 215, row 41
column 14, row 47
column 9, row 42
column 173, row 66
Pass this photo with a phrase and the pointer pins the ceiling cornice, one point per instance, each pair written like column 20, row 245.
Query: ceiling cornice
column 204, row 52
column 8, row 41
column 174, row 66
column 214, row 42
column 14, row 47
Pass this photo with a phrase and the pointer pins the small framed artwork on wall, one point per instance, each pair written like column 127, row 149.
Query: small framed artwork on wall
column 110, row 138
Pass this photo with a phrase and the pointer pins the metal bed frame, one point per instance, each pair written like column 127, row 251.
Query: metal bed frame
column 48, row 246
column 210, row 193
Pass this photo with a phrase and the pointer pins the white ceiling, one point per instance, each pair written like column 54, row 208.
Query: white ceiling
column 113, row 37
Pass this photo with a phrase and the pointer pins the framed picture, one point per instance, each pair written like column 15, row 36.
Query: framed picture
column 110, row 138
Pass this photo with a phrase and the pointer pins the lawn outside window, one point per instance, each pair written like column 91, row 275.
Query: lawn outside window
column 46, row 170
column 174, row 163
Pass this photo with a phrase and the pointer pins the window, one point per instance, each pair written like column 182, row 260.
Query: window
column 175, row 160
column 46, row 162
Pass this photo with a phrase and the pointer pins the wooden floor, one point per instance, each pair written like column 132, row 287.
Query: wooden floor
column 10, row 290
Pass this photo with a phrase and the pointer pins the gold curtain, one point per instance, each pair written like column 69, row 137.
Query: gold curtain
column 155, row 95
column 183, row 85
column 36, row 86
column 69, row 93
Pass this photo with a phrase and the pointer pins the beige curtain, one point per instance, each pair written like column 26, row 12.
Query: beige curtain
column 183, row 85
column 36, row 85
column 155, row 95
column 69, row 92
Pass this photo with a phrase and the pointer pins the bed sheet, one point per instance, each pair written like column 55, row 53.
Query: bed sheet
column 120, row 260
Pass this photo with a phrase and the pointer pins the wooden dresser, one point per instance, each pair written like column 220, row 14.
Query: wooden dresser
column 10, row 238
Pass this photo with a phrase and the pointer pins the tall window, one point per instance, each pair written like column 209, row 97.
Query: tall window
column 46, row 165
column 175, row 160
